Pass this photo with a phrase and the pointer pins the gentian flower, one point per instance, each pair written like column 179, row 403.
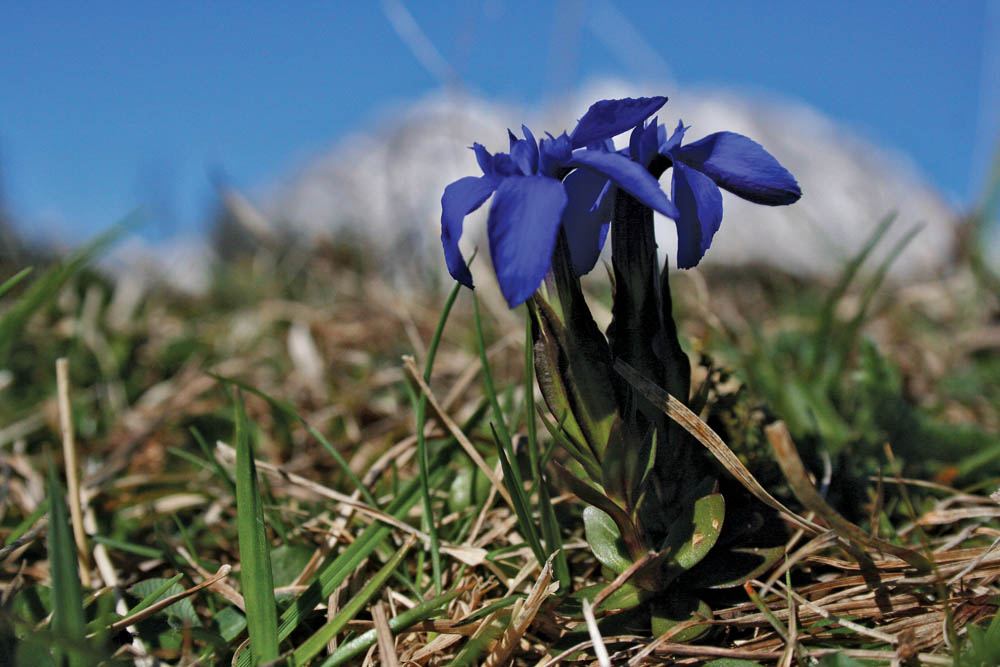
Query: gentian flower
column 722, row 160
column 531, row 201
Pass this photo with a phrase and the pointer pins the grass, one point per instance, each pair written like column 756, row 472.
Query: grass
column 263, row 480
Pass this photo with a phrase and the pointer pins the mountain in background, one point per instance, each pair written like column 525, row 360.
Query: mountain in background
column 382, row 188
column 385, row 186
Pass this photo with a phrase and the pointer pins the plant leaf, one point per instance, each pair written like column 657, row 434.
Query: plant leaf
column 667, row 613
column 694, row 534
column 365, row 641
column 318, row 641
column 68, row 621
column 605, row 539
column 255, row 559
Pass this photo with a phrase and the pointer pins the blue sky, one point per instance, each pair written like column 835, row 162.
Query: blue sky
column 106, row 106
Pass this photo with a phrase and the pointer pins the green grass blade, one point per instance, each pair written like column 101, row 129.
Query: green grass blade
column 846, row 337
column 68, row 620
column 334, row 573
column 549, row 523
column 479, row 642
column 318, row 641
column 120, row 545
column 220, row 470
column 530, row 420
column 498, row 417
column 365, row 641
column 420, row 409
column 155, row 595
column 255, row 557
column 29, row 521
column 828, row 310
column 289, row 411
column 521, row 503
column 47, row 286
column 12, row 282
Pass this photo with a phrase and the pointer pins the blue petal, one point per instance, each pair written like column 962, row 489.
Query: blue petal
column 504, row 166
column 644, row 143
column 586, row 214
column 608, row 118
column 668, row 145
column 555, row 151
column 606, row 145
column 523, row 224
column 634, row 142
column 743, row 167
column 529, row 138
column 521, row 154
column 461, row 198
column 483, row 157
column 630, row 176
column 700, row 204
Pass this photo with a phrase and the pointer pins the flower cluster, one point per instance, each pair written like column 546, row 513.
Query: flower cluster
column 571, row 182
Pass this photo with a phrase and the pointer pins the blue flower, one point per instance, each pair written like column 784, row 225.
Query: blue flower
column 531, row 201
column 722, row 160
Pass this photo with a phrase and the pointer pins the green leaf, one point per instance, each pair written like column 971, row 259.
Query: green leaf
column 469, row 488
column 180, row 613
column 148, row 595
column 500, row 420
column 29, row 521
column 594, row 495
column 420, row 411
column 287, row 561
column 255, row 561
column 120, row 545
column 333, row 574
column 45, row 288
column 753, row 538
column 230, row 623
column 694, row 534
column 605, row 540
column 547, row 515
column 365, row 641
column 828, row 310
column 68, row 620
column 731, row 662
column 478, row 643
column 732, row 566
column 839, row 660
column 670, row 611
column 627, row 462
column 614, row 467
column 564, row 438
column 573, row 364
column 12, row 282
column 626, row 597
column 318, row 641
column 511, row 480
column 290, row 412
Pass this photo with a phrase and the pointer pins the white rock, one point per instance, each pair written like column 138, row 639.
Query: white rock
column 385, row 185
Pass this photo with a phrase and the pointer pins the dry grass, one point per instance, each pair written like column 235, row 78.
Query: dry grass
column 329, row 341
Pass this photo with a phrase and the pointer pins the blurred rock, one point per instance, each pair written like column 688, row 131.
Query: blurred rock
column 386, row 185
column 184, row 264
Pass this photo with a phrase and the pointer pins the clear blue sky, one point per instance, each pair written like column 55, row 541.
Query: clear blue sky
column 105, row 106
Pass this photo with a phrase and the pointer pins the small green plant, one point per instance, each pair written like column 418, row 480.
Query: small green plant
column 657, row 511
column 981, row 647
